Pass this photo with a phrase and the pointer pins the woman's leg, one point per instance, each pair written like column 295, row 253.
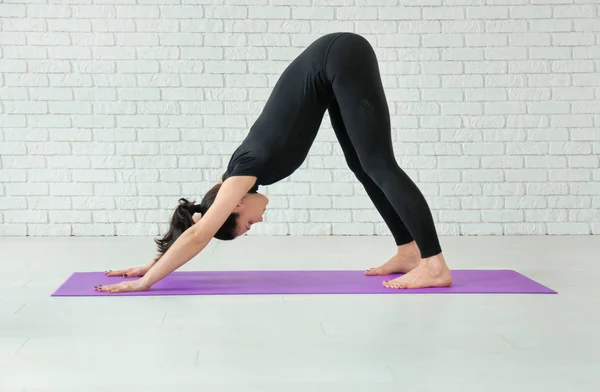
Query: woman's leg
column 353, row 70
column 392, row 220
column 407, row 257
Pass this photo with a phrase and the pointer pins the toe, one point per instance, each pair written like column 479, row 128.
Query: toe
column 372, row 271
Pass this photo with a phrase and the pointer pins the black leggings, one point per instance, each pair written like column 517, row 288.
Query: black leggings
column 361, row 121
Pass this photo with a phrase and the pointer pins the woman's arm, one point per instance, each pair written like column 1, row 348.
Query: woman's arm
column 196, row 238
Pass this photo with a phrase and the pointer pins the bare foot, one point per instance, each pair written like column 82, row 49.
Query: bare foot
column 405, row 260
column 431, row 272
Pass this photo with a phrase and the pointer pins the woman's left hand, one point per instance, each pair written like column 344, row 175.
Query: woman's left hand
column 129, row 285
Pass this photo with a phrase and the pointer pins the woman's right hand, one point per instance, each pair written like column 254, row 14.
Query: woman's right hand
column 130, row 272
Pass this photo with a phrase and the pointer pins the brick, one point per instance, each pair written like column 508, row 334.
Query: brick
column 20, row 53
column 32, row 134
column 545, row 161
column 94, row 94
column 463, row 54
column 12, row 11
column 571, row 11
column 505, row 108
column 459, row 216
column 592, row 52
column 504, row 215
column 505, row 26
column 29, row 189
column 487, row 40
column 356, row 13
column 135, row 121
column 253, row 26
column 188, row 12
column 69, row 25
column 159, row 25
column 572, row 66
column 14, row 93
column 139, row 94
column 13, row 65
column 137, row 11
column 112, row 53
column 527, row 175
column 23, row 24
column 19, row 80
column 206, row 53
column 548, row 80
column 505, row 53
column 526, row 121
column 137, row 39
column 568, row 175
column 572, row 93
column 460, row 81
column 530, row 39
column 461, row 108
column 487, row 12
column 48, row 148
column 529, row 66
column 568, row 201
column 90, row 39
column 462, row 26
column 428, row 40
column 587, row 25
column 575, row 120
column 11, row 38
column 503, row 189
column 48, row 11
column 48, row 121
column 268, row 12
column 418, row 54
column 25, row 216
column 166, row 66
column 527, row 148
column 396, row 13
column 495, row 162
column 114, row 216
column 70, row 80
column 49, row 66
column 548, row 107
column 550, row 25
column 486, row 67
column 25, row 107
column 504, row 134
column 443, row 13
column 531, row 12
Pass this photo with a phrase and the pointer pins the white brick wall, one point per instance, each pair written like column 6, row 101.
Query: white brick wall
column 112, row 110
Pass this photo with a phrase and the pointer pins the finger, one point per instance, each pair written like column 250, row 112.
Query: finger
column 106, row 288
column 117, row 272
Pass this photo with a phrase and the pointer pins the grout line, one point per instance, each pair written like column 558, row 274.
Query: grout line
column 389, row 368
column 164, row 317
column 21, row 346
column 323, row 329
column 507, row 342
column 22, row 306
column 25, row 284
column 197, row 356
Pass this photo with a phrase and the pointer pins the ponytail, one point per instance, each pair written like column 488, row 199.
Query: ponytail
column 181, row 220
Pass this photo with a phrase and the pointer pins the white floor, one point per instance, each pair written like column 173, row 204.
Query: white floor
column 300, row 343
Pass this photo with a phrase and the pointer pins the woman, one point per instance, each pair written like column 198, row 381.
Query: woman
column 338, row 73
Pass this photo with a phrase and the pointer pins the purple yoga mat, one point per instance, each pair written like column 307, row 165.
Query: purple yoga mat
column 302, row 282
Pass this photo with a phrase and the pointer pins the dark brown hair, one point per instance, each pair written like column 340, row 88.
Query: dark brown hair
column 181, row 220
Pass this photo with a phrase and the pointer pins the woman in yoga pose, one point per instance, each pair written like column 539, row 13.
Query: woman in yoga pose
column 338, row 73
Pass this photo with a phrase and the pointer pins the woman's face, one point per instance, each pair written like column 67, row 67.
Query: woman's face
column 250, row 210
